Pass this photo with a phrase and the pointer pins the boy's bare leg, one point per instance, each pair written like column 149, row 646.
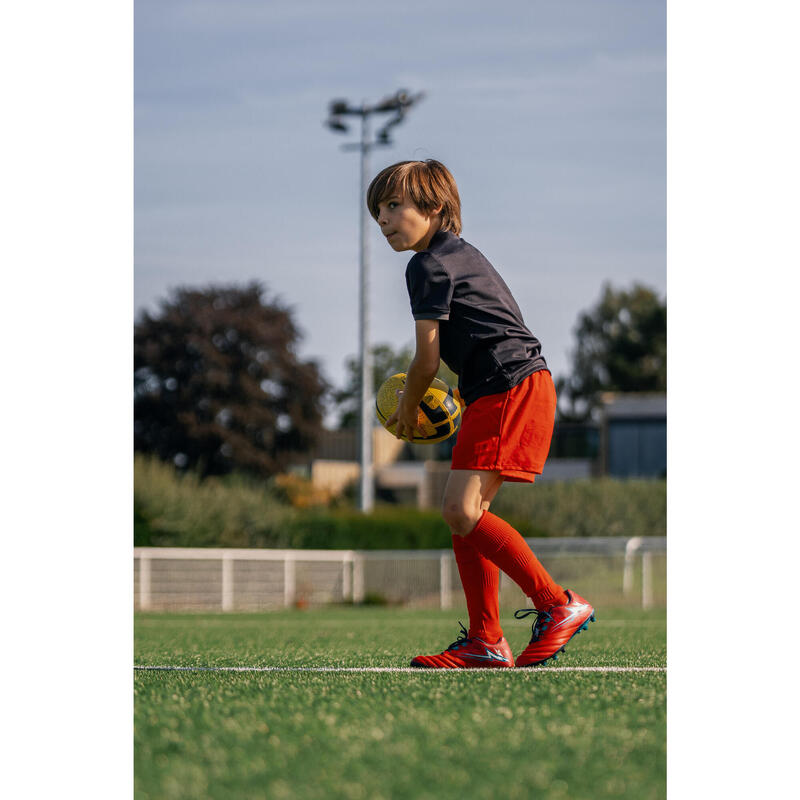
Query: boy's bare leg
column 467, row 495
column 560, row 614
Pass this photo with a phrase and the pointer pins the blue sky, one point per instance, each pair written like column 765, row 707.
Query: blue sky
column 552, row 117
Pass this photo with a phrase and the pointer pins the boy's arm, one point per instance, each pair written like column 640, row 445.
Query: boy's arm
column 421, row 372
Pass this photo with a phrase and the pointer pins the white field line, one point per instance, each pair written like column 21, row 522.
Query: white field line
column 542, row 670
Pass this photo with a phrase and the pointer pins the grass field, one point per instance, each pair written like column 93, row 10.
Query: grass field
column 545, row 732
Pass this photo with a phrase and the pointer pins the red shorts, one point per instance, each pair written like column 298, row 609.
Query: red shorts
column 509, row 432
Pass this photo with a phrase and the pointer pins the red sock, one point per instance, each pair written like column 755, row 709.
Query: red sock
column 496, row 540
column 481, row 581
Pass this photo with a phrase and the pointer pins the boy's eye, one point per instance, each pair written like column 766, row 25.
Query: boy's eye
column 393, row 204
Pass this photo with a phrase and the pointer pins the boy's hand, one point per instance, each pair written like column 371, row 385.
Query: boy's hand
column 406, row 420
column 421, row 371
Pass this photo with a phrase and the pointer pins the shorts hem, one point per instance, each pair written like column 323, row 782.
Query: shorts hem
column 508, row 473
column 519, row 475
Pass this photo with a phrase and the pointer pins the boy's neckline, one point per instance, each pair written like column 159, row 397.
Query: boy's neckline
column 437, row 238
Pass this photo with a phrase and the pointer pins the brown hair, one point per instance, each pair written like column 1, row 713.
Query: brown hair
column 428, row 184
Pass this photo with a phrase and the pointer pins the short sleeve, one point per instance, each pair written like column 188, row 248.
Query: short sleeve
column 430, row 288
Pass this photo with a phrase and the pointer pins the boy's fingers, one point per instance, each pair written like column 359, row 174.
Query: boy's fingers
column 404, row 430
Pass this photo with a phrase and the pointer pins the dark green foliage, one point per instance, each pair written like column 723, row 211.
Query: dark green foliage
column 173, row 510
column 182, row 511
column 218, row 385
column 383, row 529
column 600, row 507
column 621, row 347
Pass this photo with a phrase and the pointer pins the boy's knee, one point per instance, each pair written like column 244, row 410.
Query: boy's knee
column 459, row 518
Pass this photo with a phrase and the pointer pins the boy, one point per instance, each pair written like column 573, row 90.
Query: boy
column 465, row 315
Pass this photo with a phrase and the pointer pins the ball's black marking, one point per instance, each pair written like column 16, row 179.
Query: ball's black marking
column 439, row 408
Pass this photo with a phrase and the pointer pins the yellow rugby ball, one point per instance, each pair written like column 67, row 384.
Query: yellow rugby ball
column 439, row 413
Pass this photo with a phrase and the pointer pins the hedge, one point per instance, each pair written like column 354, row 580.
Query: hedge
column 180, row 510
column 599, row 507
column 183, row 511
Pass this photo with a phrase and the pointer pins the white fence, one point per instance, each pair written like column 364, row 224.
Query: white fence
column 611, row 571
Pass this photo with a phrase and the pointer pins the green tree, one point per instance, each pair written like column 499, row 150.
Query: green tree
column 386, row 362
column 218, row 384
column 621, row 347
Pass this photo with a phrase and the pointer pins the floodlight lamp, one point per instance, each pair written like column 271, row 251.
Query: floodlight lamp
column 387, row 104
column 406, row 100
column 338, row 107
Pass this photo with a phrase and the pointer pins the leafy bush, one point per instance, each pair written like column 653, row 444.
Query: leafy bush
column 180, row 510
column 600, row 507
column 386, row 528
column 183, row 511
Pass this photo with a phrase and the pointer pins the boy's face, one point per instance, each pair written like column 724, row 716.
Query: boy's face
column 405, row 226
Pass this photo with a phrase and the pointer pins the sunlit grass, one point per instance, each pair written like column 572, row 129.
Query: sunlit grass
column 393, row 735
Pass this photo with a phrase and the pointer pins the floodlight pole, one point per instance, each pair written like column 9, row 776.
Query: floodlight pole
column 367, row 484
column 398, row 103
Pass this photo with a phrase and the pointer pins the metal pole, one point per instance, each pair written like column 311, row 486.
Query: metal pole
column 398, row 104
column 358, row 578
column 647, row 580
column 347, row 578
column 444, row 579
column 631, row 549
column 144, row 582
column 227, row 582
column 365, row 354
column 289, row 580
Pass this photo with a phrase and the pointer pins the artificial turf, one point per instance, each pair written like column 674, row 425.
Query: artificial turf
column 543, row 732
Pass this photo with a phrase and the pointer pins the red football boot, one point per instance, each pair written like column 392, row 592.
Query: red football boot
column 554, row 628
column 466, row 653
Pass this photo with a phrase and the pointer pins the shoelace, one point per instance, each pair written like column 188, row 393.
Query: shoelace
column 540, row 625
column 463, row 638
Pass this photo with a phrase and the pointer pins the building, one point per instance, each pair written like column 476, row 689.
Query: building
column 633, row 435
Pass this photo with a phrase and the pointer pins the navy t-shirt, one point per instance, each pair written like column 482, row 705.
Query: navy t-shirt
column 482, row 336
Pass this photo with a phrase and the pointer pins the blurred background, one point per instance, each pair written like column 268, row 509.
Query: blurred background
column 552, row 117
